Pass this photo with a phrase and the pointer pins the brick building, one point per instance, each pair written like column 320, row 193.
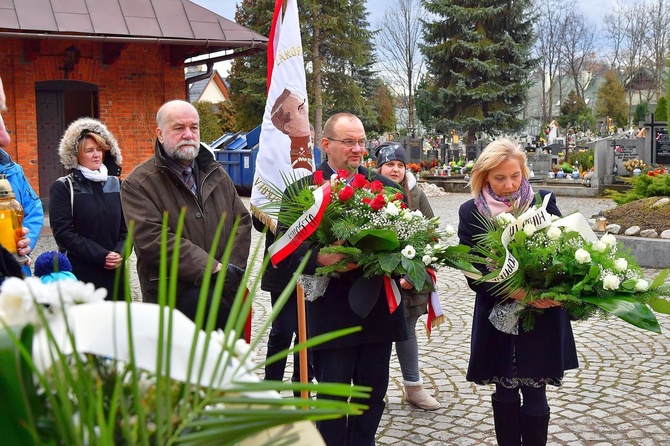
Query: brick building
column 116, row 60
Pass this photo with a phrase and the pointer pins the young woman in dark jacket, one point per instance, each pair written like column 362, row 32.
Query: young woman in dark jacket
column 85, row 206
column 392, row 163
column 526, row 362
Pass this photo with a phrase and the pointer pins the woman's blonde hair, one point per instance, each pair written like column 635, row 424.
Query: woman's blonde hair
column 99, row 140
column 492, row 155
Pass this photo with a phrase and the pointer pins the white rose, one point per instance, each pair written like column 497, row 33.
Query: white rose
column 409, row 252
column 506, row 218
column 391, row 209
column 641, row 285
column 609, row 239
column 582, row 256
column 621, row 264
column 529, row 229
column 426, row 259
column 449, row 231
column 417, row 213
column 611, row 282
column 406, row 215
column 554, row 233
column 599, row 246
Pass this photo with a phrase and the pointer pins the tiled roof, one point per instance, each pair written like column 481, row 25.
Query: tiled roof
column 164, row 21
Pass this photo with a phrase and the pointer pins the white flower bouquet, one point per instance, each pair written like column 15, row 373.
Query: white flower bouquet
column 563, row 260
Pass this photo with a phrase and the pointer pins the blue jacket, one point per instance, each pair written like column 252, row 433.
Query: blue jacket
column 32, row 205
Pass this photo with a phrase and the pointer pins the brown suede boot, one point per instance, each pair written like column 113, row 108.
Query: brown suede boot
column 415, row 395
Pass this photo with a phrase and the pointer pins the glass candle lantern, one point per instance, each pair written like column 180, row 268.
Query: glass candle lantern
column 11, row 220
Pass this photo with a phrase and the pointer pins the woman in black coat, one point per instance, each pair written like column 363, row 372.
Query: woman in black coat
column 526, row 362
column 85, row 206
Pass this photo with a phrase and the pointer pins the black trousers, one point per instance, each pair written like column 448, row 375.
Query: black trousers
column 284, row 329
column 187, row 303
column 365, row 365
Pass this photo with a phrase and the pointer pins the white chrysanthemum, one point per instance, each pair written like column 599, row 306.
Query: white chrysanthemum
column 409, row 252
column 449, row 231
column 609, row 239
column 529, row 229
column 426, row 259
column 611, row 282
column 641, row 285
column 621, row 264
column 599, row 246
column 582, row 256
column 554, row 233
column 392, row 209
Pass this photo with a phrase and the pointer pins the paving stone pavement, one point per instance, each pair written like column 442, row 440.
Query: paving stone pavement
column 617, row 397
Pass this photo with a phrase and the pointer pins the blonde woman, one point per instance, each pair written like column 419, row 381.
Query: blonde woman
column 519, row 365
column 85, row 206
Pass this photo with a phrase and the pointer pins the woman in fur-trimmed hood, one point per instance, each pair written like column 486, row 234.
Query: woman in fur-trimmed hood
column 85, row 206
column 68, row 147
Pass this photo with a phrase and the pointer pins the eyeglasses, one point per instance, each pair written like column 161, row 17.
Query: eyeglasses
column 350, row 143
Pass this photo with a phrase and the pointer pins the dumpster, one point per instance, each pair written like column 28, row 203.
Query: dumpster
column 237, row 153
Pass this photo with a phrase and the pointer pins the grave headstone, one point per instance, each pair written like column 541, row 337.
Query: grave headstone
column 661, row 154
column 415, row 151
column 541, row 163
column 471, row 152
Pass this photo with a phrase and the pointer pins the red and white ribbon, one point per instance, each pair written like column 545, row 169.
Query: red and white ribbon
column 393, row 296
column 303, row 227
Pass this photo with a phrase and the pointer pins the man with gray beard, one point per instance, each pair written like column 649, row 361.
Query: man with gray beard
column 182, row 174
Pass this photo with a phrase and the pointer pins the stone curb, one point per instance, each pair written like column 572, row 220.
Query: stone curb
column 649, row 252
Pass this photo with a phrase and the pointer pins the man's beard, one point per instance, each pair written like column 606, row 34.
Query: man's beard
column 188, row 152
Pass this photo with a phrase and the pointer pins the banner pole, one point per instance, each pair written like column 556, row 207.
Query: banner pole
column 302, row 337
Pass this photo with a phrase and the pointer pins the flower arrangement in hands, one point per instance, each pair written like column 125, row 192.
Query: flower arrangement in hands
column 561, row 259
column 372, row 226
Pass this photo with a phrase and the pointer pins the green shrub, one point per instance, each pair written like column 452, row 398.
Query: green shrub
column 642, row 186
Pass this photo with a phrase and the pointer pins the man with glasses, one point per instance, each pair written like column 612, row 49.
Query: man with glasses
column 350, row 300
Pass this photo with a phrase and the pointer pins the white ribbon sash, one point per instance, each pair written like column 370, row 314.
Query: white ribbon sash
column 303, row 227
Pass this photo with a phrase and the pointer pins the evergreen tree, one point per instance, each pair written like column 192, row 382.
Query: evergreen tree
column 661, row 109
column 574, row 112
column 641, row 112
column 210, row 129
column 338, row 53
column 477, row 52
column 611, row 100
column 248, row 75
column 337, row 44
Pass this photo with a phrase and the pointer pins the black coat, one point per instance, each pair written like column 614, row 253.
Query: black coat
column 545, row 352
column 95, row 228
column 332, row 311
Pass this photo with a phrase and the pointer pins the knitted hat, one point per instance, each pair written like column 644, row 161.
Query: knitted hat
column 51, row 261
column 390, row 151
